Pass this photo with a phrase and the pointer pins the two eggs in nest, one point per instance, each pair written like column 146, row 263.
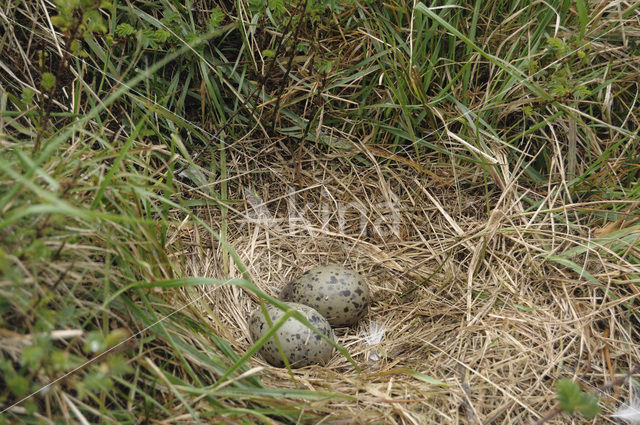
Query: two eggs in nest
column 326, row 296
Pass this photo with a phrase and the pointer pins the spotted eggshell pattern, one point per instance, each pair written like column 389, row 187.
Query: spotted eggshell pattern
column 300, row 344
column 339, row 294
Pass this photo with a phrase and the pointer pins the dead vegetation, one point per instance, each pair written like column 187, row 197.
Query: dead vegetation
column 479, row 323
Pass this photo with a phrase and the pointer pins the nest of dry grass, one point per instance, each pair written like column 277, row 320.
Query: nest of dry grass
column 479, row 324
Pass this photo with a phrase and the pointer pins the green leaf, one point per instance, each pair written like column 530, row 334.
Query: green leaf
column 572, row 399
column 30, row 406
column 125, row 30
column 589, row 407
column 324, row 67
column 170, row 17
column 581, row 92
column 5, row 304
column 557, row 46
column 48, row 81
column 161, row 36
column 62, row 22
column 573, row 266
column 257, row 6
column 569, row 395
column 115, row 337
column 18, row 385
column 94, row 22
column 277, row 7
column 216, row 17
column 118, row 365
column 27, row 95
column 60, row 360
column 32, row 356
column 426, row 378
column 97, row 381
column 583, row 16
column 76, row 49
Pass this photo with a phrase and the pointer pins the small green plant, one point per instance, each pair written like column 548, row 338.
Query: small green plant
column 80, row 18
column 281, row 10
column 561, row 69
column 146, row 38
column 573, row 400
column 76, row 19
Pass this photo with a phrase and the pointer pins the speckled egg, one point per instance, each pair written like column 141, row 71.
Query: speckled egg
column 301, row 345
column 339, row 294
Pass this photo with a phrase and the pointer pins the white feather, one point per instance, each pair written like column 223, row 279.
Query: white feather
column 630, row 412
column 374, row 336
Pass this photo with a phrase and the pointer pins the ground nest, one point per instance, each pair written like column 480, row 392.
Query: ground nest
column 471, row 322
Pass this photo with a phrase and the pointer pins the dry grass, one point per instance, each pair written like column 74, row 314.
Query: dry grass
column 461, row 284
